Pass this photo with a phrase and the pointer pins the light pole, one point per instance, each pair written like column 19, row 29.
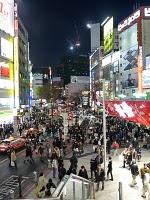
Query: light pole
column 104, row 125
column 51, row 87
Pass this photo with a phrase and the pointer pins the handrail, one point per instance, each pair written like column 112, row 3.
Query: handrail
column 57, row 193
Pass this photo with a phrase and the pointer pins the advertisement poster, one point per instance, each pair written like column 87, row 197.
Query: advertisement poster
column 108, row 36
column 7, row 16
column 129, row 58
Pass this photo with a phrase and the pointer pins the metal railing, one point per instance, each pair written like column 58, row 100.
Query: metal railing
column 75, row 188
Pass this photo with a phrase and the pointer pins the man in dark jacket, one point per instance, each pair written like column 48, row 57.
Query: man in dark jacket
column 83, row 173
column 109, row 169
column 61, row 172
column 74, row 160
column 100, row 177
column 93, row 166
column 134, row 172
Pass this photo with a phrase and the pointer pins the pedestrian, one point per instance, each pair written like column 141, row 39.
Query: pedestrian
column 28, row 157
column 49, row 185
column 13, row 159
column 143, row 171
column 146, row 186
column 115, row 147
column 74, row 160
column 41, row 193
column 93, row 166
column 83, row 172
column 134, row 172
column 109, row 169
column 54, row 166
column 41, row 151
column 100, row 177
column 61, row 172
column 42, row 181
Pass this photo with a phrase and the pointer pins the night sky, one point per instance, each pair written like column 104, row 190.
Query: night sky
column 53, row 25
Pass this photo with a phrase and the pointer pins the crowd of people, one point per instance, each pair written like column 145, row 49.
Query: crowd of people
column 46, row 139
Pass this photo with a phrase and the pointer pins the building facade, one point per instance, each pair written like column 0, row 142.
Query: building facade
column 24, row 68
column 125, row 64
column 6, row 61
column 74, row 65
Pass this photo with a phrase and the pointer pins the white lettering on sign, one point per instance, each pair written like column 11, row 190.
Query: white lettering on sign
column 129, row 20
column 124, row 110
column 147, row 12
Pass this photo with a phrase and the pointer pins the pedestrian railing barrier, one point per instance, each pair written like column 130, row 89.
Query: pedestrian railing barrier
column 120, row 191
column 75, row 188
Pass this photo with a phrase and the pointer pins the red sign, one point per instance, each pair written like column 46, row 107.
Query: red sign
column 136, row 111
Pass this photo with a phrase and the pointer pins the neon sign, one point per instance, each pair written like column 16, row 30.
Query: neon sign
column 145, row 12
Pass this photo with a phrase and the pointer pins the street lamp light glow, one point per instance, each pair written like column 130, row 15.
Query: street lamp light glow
column 78, row 44
column 88, row 26
column 104, row 21
column 71, row 48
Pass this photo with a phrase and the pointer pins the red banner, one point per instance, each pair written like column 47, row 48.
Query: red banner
column 136, row 111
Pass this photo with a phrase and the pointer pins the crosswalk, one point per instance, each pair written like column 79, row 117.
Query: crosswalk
column 11, row 184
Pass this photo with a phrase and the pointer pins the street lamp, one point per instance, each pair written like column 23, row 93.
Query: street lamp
column 71, row 48
column 88, row 26
column 104, row 22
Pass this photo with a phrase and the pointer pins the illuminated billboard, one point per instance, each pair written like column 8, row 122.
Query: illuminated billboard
column 129, row 58
column 7, row 16
column 6, row 91
column 7, row 49
column 108, row 36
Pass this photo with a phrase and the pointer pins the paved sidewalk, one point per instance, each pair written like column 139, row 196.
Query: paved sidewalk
column 111, row 187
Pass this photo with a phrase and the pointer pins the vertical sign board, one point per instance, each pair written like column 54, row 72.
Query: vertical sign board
column 16, row 72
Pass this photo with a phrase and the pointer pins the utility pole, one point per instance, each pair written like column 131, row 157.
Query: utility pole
column 51, row 87
column 104, row 125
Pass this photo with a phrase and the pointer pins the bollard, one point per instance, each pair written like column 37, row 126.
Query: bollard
column 35, row 176
column 12, row 194
column 120, row 191
column 49, row 164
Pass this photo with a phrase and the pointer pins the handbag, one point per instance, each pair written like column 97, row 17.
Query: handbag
column 12, row 163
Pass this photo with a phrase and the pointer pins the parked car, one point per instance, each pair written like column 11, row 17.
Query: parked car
column 15, row 143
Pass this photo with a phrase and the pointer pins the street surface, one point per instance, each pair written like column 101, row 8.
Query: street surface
column 111, row 187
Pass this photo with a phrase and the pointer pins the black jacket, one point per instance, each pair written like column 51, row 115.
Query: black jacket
column 134, row 170
column 62, row 172
column 100, row 175
column 83, row 174
column 110, row 165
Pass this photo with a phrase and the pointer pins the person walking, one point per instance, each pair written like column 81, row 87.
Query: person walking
column 143, row 171
column 100, row 177
column 74, row 160
column 28, row 157
column 134, row 172
column 61, row 172
column 13, row 159
column 146, row 186
column 93, row 166
column 109, row 169
column 54, row 167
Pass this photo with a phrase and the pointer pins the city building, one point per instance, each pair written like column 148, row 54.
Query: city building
column 6, row 62
column 40, row 78
column 73, row 65
column 21, row 63
column 77, row 85
column 134, row 45
column 24, row 69
column 125, row 64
